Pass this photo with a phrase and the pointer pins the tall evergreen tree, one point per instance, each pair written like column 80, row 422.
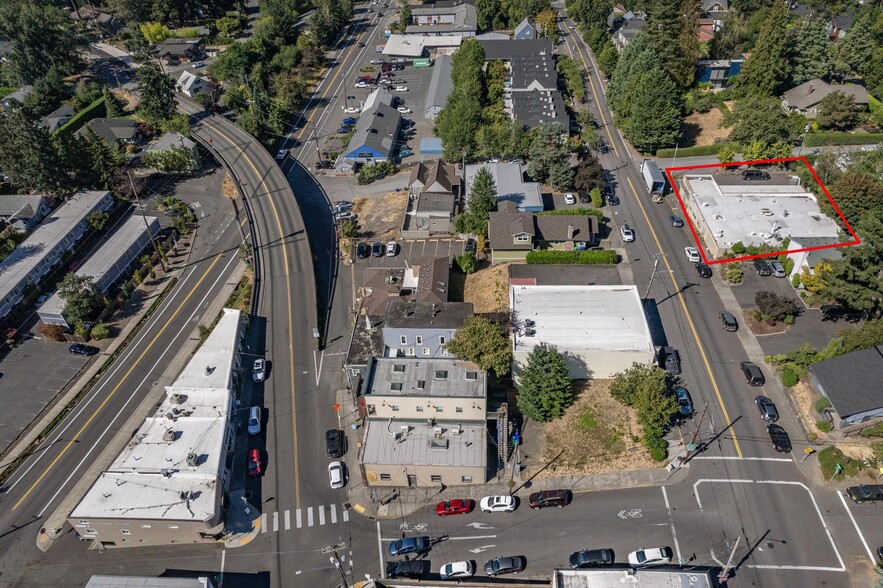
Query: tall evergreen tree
column 654, row 119
column 544, row 390
column 855, row 50
column 767, row 70
column 157, row 93
column 809, row 50
column 639, row 57
column 672, row 26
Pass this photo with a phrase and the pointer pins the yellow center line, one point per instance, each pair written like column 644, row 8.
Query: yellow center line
column 680, row 295
column 595, row 94
column 115, row 388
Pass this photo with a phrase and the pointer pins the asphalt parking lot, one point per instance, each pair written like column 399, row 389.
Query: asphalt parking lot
column 408, row 250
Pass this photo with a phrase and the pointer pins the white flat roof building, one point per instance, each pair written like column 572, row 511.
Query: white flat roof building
column 649, row 578
column 167, row 484
column 753, row 213
column 602, row 329
column 415, row 45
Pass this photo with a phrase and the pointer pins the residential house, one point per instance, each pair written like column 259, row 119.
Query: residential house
column 114, row 131
column 374, row 139
column 718, row 72
column 807, row 97
column 614, row 19
column 852, row 383
column 23, row 212
column 708, row 28
column 808, row 259
column 94, row 18
column 632, row 25
column 422, row 329
column 15, row 99
column 839, row 26
column 715, row 9
column 512, row 234
column 509, row 180
column 601, row 330
column 175, row 50
column 434, row 189
column 443, row 18
column 58, row 118
column 525, row 30
column 440, row 86
column 42, row 250
column 173, row 140
column 191, row 84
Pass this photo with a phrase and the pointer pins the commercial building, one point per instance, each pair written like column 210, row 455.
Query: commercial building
column 434, row 189
column 601, row 330
column 144, row 582
column 443, row 18
column 169, row 483
column 42, row 250
column 852, row 383
column 725, row 212
column 509, row 180
column 512, row 234
column 376, row 131
column 440, row 86
column 107, row 265
column 23, row 212
column 414, row 46
column 631, row 578
column 422, row 329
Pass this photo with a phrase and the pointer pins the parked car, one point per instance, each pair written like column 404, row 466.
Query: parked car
column 350, row 120
column 865, row 492
column 778, row 269
column 334, row 441
column 42, row 299
column 703, row 270
column 392, row 248
column 198, row 64
column 457, row 569
column 408, row 545
column 454, row 507
column 352, row 110
column 405, row 153
column 650, row 556
column 754, row 174
column 591, row 558
column 401, row 88
column 670, row 360
column 762, row 267
column 398, row 66
column 830, row 312
column 404, row 110
column 685, row 403
column 363, row 250
column 337, row 476
column 612, row 199
column 692, row 254
column 259, row 370
column 584, row 197
column 767, row 409
column 377, row 249
column 676, row 221
column 342, row 215
column 547, row 498
column 80, row 349
column 499, row 503
column 469, row 247
column 343, row 204
column 282, row 154
column 376, row 61
column 254, row 420
column 362, row 84
column 343, row 130
column 780, row 439
column 569, row 198
column 728, row 321
column 752, row 373
column 512, row 564
column 255, row 464
column 414, row 569
column 627, row 234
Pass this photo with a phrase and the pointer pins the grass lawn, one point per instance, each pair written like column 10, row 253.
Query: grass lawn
column 829, row 457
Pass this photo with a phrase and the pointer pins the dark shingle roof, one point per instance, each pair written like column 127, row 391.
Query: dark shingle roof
column 852, row 382
column 538, row 107
column 415, row 315
column 111, row 129
column 376, row 129
column 555, row 228
column 529, row 68
column 510, row 48
column 434, row 172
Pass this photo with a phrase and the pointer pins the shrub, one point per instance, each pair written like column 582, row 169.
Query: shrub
column 596, row 198
column 835, row 138
column 789, row 265
column 467, row 262
column 551, row 256
column 738, row 248
column 875, row 431
column 94, row 110
column 795, row 280
column 877, row 446
column 52, row 332
column 733, row 272
column 573, row 212
column 775, row 306
column 656, row 444
column 789, row 378
column 821, row 404
column 369, row 173
column 823, row 426
column 789, row 320
column 100, row 331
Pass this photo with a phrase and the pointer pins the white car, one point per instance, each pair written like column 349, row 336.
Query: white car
column 254, row 420
column 336, row 476
column 283, row 153
column 42, row 299
column 569, row 198
column 259, row 371
column 352, row 110
column 457, row 569
column 376, row 61
column 692, row 254
column 627, row 234
column 404, row 110
column 198, row 64
column 499, row 503
column 401, row 88
column 650, row 556
column 363, row 85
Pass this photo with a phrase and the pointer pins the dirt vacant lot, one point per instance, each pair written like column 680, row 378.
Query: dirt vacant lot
column 488, row 288
column 703, row 129
column 381, row 216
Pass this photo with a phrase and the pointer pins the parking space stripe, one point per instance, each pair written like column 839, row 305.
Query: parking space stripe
column 310, row 516
column 321, row 510
column 857, row 530
column 275, row 521
column 287, row 519
column 298, row 519
column 333, row 513
column 346, row 516
column 263, row 522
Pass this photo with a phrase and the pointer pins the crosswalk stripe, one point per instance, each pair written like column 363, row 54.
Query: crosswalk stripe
column 263, row 522
column 321, row 515
column 310, row 516
column 346, row 516
column 275, row 521
column 333, row 513
column 298, row 519
column 287, row 519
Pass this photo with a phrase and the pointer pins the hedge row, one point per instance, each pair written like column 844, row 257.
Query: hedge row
column 573, row 212
column 552, row 256
column 95, row 110
column 696, row 151
column 835, row 138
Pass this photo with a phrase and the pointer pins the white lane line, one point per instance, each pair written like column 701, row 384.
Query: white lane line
column 737, row 458
column 671, row 522
column 263, row 522
column 276, row 521
column 346, row 516
column 298, row 519
column 321, row 510
column 470, row 538
column 287, row 519
column 333, row 508
column 310, row 516
column 804, row 568
column 223, row 564
column 380, row 551
column 857, row 530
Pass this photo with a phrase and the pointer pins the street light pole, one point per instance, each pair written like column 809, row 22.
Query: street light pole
column 652, row 275
column 803, row 141
column 146, row 224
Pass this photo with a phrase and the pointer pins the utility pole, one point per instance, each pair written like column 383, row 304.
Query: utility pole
column 725, row 573
column 316, row 139
column 692, row 442
column 146, row 224
column 652, row 275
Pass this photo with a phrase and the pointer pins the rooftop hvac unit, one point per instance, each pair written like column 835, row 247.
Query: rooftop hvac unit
column 169, row 435
column 405, row 429
column 437, row 431
column 192, row 460
column 457, row 431
column 177, row 399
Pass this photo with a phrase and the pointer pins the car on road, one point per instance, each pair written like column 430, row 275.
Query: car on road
column 752, row 373
column 457, row 569
column 334, row 441
column 767, row 409
column 254, row 420
column 627, row 234
column 650, row 556
column 865, row 492
column 377, row 61
column 780, row 439
column 337, row 476
column 754, row 174
column 512, row 564
column 408, row 545
column 670, row 360
column 454, row 507
column 401, row 88
column 414, row 569
column 498, row 503
column 255, row 464
column 360, row 44
column 692, row 254
column 676, row 221
column 612, row 199
column 762, row 267
column 282, row 154
column 44, row 297
column 405, row 153
column 547, row 498
column 404, row 110
column 728, row 321
column 363, row 250
column 362, row 84
column 569, row 198
column 392, row 248
column 80, row 349
column 685, row 403
column 377, row 249
column 703, row 270
column 778, row 269
column 350, row 120
column 571, row 27
column 259, row 370
column 591, row 558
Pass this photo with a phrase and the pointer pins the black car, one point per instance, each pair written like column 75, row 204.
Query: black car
column 762, row 268
column 767, row 409
column 865, row 492
column 835, row 312
column 612, row 199
column 80, row 349
column 685, row 403
column 377, row 249
column 343, row 130
column 676, row 221
column 584, row 197
column 670, row 360
column 334, row 441
column 470, row 246
column 755, row 174
column 591, row 558
column 363, row 251
column 780, row 438
column 752, row 373
column 703, row 270
column 729, row 321
column 414, row 569
column 505, row 565
column 547, row 498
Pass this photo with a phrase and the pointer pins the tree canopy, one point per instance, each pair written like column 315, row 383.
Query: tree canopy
column 767, row 70
column 544, row 390
column 157, row 94
column 482, row 201
column 483, row 342
column 80, row 299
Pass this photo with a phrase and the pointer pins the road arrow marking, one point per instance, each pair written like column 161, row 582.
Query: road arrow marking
column 480, row 526
column 621, row 514
column 478, row 550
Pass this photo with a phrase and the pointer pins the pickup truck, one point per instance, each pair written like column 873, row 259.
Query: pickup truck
column 864, row 493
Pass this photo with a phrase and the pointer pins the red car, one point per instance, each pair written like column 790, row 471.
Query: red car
column 255, row 465
column 454, row 507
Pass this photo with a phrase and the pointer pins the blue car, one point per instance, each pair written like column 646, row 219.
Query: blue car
column 405, row 153
column 350, row 120
column 684, row 402
column 409, row 545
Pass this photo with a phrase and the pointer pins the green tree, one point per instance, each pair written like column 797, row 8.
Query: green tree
column 673, row 26
column 80, row 299
column 285, row 15
column 589, row 174
column 482, row 201
column 178, row 159
column 726, row 154
column 730, row 40
column 857, row 194
column 638, row 58
column 349, row 228
column 547, row 147
column 768, row 69
column 560, row 175
column 810, row 47
column 758, row 118
column 157, row 93
column 608, row 59
column 544, row 390
column 483, row 342
column 111, row 106
column 99, row 331
column 229, row 26
column 97, row 219
column 467, row 262
column 749, row 7
column 775, row 306
column 645, row 388
column 654, row 117
column 486, row 11
column 837, row 111
column 548, row 22
column 154, row 32
column 859, row 43
column 48, row 92
column 29, row 155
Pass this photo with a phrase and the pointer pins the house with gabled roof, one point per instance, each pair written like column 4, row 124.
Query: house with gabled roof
column 374, row 139
column 114, row 131
column 852, row 383
column 58, row 117
column 513, row 234
column 434, row 188
column 190, row 84
column 23, row 212
column 525, row 30
column 806, row 98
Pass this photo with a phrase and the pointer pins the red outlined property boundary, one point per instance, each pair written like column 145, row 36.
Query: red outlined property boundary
column 671, row 180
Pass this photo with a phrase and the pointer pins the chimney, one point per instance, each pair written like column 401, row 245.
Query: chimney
column 812, row 88
column 570, row 232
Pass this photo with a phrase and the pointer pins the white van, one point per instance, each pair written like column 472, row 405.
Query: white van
column 254, row 420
